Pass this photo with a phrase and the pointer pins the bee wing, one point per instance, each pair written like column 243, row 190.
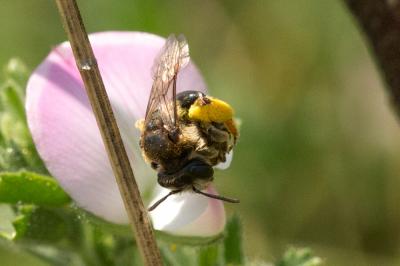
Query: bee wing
column 173, row 56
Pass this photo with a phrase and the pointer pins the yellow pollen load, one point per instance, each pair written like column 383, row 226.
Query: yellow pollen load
column 216, row 111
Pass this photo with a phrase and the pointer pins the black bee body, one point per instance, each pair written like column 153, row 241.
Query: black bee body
column 178, row 165
column 183, row 135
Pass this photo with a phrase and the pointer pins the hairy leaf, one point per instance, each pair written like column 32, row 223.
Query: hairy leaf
column 31, row 188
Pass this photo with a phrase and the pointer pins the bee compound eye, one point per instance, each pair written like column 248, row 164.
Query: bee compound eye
column 154, row 165
column 187, row 98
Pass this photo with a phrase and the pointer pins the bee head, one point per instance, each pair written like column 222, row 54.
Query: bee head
column 187, row 98
column 195, row 171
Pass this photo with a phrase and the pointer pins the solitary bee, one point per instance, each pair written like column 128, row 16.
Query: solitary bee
column 184, row 135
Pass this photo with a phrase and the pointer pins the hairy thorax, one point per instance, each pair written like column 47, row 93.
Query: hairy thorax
column 184, row 155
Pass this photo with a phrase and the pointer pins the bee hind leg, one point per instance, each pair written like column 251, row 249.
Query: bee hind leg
column 217, row 135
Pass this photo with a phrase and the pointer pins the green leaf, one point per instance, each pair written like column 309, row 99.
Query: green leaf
column 12, row 157
column 39, row 224
column 7, row 215
column 31, row 188
column 118, row 230
column 12, row 117
column 210, row 256
column 12, row 99
column 178, row 255
column 17, row 150
column 110, row 249
column 2, row 140
column 299, row 257
column 16, row 70
column 233, row 242
column 55, row 256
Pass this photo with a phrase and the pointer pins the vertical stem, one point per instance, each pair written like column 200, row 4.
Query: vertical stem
column 101, row 106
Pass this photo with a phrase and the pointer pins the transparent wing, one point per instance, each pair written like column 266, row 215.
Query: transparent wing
column 173, row 56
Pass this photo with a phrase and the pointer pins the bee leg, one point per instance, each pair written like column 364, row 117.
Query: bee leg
column 217, row 135
column 158, row 202
column 215, row 196
column 208, row 152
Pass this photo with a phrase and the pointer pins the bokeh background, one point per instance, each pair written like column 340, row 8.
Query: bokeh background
column 318, row 160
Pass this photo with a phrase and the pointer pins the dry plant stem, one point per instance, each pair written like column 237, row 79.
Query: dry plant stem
column 380, row 20
column 96, row 92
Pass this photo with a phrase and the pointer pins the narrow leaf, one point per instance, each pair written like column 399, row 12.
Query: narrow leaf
column 12, row 100
column 233, row 242
column 210, row 256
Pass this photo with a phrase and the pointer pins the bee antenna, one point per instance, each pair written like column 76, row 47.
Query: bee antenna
column 215, row 196
column 158, row 202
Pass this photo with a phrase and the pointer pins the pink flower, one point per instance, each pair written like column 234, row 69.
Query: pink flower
column 68, row 140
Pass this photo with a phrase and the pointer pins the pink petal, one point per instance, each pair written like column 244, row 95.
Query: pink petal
column 64, row 128
column 203, row 216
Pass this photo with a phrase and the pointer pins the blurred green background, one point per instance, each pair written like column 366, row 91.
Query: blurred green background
column 318, row 160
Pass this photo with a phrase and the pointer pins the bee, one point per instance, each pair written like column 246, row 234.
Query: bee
column 184, row 135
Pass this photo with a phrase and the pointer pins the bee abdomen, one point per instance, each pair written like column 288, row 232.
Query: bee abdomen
column 155, row 144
